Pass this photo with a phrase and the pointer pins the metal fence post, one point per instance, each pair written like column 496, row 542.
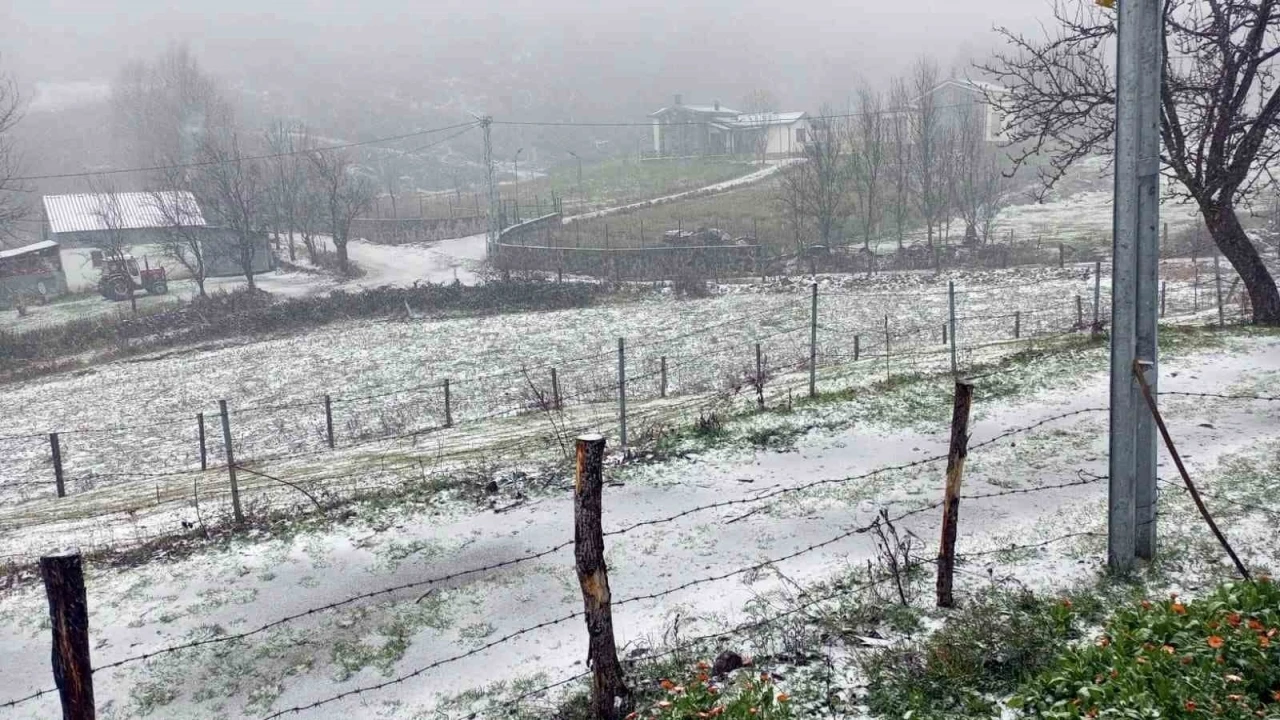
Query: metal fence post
column 813, row 343
column 622, row 394
column 63, row 577
column 951, row 311
column 231, row 462
column 328, row 419
column 55, row 448
column 204, row 448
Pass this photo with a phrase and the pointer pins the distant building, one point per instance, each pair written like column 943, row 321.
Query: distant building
column 681, row 130
column 33, row 271
column 143, row 222
column 957, row 96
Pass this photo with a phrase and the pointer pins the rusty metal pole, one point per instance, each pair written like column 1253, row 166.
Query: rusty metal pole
column 610, row 698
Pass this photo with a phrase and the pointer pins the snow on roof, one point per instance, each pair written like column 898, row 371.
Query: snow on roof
column 122, row 211
column 25, row 249
column 698, row 109
column 966, row 84
column 769, row 118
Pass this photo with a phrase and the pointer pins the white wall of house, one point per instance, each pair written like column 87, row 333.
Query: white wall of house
column 784, row 140
column 657, row 136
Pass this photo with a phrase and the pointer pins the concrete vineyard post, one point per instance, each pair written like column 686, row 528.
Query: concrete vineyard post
column 328, row 420
column 956, row 455
column 610, row 698
column 231, row 462
column 63, row 577
column 55, row 448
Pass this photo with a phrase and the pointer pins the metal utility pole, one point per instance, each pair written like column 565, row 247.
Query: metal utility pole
column 575, row 157
column 1135, row 282
column 486, row 123
column 516, row 161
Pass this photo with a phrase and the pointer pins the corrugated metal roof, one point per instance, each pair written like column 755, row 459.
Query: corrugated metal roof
column 122, row 211
column 35, row 247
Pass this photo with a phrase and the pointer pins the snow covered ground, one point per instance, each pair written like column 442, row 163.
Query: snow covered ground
column 748, row 179
column 262, row 578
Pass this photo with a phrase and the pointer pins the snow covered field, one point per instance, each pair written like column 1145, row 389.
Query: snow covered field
column 261, row 578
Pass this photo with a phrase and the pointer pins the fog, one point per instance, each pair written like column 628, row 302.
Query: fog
column 361, row 70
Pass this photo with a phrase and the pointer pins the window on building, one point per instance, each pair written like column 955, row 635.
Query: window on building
column 799, row 135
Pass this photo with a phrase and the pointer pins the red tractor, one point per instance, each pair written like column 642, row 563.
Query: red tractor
column 121, row 276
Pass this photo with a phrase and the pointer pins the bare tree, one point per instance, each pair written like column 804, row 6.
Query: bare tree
column 870, row 154
column 232, row 188
column 1220, row 109
column 183, row 233
column 818, row 190
column 901, row 157
column 759, row 106
column 112, row 242
column 12, row 208
column 287, row 181
column 978, row 180
column 928, row 148
column 342, row 196
column 161, row 108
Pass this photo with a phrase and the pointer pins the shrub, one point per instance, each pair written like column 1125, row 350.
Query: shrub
column 745, row 697
column 1219, row 656
column 985, row 650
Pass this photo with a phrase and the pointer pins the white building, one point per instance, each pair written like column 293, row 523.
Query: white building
column 681, row 130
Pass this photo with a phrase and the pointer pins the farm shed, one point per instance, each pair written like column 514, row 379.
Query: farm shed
column 31, row 271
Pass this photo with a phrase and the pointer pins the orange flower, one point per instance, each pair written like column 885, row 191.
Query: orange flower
column 1215, row 642
column 1066, row 604
column 1264, row 641
column 1275, row 695
column 632, row 716
column 1255, row 625
column 717, row 711
column 1189, row 705
column 703, row 677
column 1142, row 661
column 1178, row 608
column 667, row 685
column 783, row 697
column 1167, row 648
column 1146, row 604
column 1233, row 619
column 702, row 665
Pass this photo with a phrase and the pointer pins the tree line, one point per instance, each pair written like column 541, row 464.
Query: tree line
column 901, row 158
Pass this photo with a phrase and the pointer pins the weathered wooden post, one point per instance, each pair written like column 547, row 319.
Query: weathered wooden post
column 231, row 462
column 610, row 698
column 1217, row 281
column 1017, row 324
column 944, row 333
column 1061, row 256
column 886, row 349
column 63, row 577
column 448, row 405
column 1079, row 311
column 56, row 449
column 1163, row 288
column 951, row 505
column 857, row 349
column 555, row 390
column 204, row 448
column 328, row 419
column 759, row 377
column 662, row 382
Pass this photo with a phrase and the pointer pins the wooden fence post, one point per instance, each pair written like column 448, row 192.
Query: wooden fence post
column 1164, row 286
column 56, row 449
column 448, row 405
column 555, row 390
column 886, row 349
column 1061, row 256
column 1079, row 311
column 1217, row 280
column 610, row 698
column 759, row 377
column 204, row 447
column 63, row 577
column 1017, row 324
column 813, row 344
column 951, row 506
column 662, row 383
column 231, row 462
column 328, row 419
column 944, row 333
column 857, row 349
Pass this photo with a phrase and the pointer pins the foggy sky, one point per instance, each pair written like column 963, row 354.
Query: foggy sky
column 806, row 53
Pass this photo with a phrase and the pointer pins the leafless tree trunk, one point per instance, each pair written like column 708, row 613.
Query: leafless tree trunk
column 902, row 157
column 12, row 207
column 184, row 233
column 870, row 153
column 759, row 105
column 232, row 188
column 287, row 184
column 343, row 196
column 819, row 188
column 112, row 241
column 981, row 188
column 1220, row 109
column 924, row 122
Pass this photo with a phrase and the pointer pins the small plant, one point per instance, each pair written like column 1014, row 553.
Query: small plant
column 708, row 425
column 1218, row 657
column 746, row 697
